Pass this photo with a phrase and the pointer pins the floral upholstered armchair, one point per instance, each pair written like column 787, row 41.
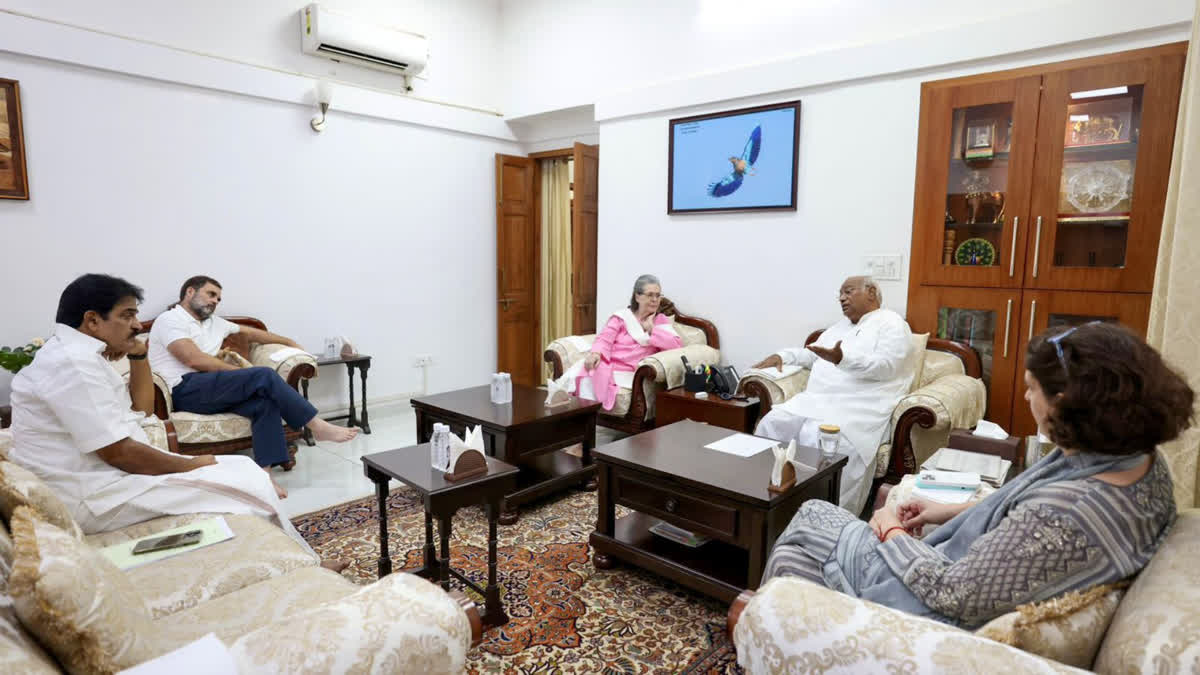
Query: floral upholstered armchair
column 947, row 394
column 224, row 433
column 634, row 408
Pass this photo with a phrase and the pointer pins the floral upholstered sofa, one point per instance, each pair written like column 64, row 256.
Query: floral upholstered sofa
column 64, row 607
column 633, row 411
column 1150, row 626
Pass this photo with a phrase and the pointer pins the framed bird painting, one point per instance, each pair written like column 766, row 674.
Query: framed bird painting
column 737, row 160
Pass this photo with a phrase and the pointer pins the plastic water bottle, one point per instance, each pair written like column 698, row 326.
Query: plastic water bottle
column 497, row 388
column 438, row 446
column 507, row 379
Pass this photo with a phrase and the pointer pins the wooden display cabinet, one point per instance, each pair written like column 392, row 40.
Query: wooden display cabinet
column 1043, row 188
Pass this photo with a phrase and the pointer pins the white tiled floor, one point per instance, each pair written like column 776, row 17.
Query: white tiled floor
column 332, row 473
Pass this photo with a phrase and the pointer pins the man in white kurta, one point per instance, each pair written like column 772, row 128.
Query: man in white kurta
column 71, row 410
column 861, row 367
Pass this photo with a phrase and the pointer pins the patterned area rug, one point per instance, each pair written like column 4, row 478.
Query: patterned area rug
column 566, row 616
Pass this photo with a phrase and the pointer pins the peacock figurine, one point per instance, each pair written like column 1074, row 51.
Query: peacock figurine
column 742, row 166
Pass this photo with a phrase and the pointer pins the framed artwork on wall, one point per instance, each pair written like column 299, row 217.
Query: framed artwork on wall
column 14, row 183
column 737, row 160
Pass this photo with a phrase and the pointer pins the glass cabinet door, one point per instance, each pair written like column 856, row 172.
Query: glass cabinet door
column 986, row 319
column 974, row 174
column 1104, row 154
column 1044, row 311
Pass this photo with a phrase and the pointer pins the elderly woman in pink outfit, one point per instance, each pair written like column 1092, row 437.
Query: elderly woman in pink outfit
column 630, row 335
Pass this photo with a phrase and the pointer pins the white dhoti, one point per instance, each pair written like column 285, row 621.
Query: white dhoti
column 857, row 475
column 235, row 484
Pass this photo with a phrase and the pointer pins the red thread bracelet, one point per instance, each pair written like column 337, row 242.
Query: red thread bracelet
column 889, row 531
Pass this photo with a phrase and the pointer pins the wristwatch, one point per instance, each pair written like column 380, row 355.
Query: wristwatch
column 139, row 357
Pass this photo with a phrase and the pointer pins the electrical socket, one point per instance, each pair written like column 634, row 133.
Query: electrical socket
column 422, row 360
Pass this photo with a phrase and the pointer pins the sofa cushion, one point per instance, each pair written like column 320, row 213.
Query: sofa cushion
column 940, row 364
column 20, row 487
column 232, row 616
column 399, row 624
column 258, row 551
column 1068, row 628
column 19, row 651
column 197, row 428
column 77, row 603
column 689, row 335
column 1156, row 624
column 919, row 340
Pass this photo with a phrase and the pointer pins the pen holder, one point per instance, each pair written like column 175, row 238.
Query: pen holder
column 695, row 382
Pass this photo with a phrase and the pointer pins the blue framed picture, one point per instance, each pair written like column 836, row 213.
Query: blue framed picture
column 738, row 160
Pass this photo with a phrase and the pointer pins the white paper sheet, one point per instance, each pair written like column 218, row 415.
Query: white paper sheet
column 287, row 352
column 742, row 445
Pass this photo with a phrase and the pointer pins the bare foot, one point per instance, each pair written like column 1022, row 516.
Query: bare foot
column 324, row 431
column 279, row 490
column 335, row 565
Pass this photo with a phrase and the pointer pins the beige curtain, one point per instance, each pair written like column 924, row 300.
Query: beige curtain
column 1175, row 308
column 556, row 250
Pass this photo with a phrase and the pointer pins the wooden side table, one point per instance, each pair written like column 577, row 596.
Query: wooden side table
column 442, row 498
column 676, row 404
column 363, row 363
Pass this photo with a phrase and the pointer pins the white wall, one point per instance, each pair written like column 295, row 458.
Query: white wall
column 768, row 279
column 464, row 36
column 378, row 230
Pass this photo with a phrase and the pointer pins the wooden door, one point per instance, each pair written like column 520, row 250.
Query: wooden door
column 1105, row 138
column 584, row 211
column 1055, row 310
column 970, row 211
column 986, row 319
column 518, row 273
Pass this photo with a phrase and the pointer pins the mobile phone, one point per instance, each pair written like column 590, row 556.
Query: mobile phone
column 169, row 541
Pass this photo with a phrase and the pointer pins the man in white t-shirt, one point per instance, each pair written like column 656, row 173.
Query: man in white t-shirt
column 76, row 426
column 184, row 341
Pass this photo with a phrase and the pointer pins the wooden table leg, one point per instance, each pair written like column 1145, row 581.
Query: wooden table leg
column 431, row 564
column 444, row 560
column 494, row 615
column 352, row 420
column 385, row 558
column 607, row 516
column 423, row 433
column 589, row 442
column 362, row 370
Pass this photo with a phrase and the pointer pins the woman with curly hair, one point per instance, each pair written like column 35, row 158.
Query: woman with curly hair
column 1093, row 511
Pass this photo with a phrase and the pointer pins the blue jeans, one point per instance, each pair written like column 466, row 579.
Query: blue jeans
column 257, row 393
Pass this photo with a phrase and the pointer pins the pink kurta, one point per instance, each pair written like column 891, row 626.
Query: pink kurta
column 619, row 351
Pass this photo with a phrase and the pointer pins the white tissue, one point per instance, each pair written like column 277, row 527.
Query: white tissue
column 989, row 430
column 472, row 441
column 556, row 394
column 782, row 456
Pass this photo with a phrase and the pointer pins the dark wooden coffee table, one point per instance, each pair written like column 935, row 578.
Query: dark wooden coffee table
column 442, row 498
column 524, row 432
column 667, row 474
column 677, row 404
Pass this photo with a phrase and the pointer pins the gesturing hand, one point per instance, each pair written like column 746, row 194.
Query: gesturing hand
column 833, row 356
column 648, row 324
column 917, row 513
column 883, row 520
column 772, row 361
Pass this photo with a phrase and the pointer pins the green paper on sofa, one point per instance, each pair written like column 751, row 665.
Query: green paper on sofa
column 213, row 531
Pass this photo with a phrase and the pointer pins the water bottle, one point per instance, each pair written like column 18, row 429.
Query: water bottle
column 438, row 446
column 497, row 388
column 507, row 379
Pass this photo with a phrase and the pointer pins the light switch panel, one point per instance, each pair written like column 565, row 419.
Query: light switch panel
column 883, row 267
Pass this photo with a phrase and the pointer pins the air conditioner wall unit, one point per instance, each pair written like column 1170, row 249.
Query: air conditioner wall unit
column 348, row 40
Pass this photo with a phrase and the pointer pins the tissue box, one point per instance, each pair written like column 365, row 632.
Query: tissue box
column 1011, row 448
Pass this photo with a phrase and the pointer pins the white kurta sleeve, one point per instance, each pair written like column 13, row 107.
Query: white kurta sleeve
column 84, row 400
column 885, row 360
